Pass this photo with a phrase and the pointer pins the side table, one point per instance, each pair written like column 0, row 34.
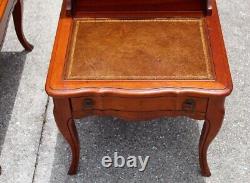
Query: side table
column 139, row 63
column 16, row 8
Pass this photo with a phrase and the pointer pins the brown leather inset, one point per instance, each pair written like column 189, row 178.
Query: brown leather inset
column 162, row 49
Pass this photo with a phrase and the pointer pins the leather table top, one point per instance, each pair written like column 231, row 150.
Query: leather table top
column 153, row 49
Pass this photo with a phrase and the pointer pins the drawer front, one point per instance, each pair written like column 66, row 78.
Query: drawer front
column 140, row 104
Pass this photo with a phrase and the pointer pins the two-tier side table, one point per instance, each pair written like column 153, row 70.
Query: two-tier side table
column 139, row 60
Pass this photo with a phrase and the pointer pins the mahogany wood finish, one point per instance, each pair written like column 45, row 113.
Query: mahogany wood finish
column 139, row 99
column 65, row 123
column 16, row 8
column 135, row 8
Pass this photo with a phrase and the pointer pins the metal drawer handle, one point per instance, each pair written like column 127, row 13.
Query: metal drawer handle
column 88, row 103
column 189, row 105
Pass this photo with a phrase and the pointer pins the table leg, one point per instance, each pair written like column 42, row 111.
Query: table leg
column 66, row 125
column 18, row 18
column 211, row 127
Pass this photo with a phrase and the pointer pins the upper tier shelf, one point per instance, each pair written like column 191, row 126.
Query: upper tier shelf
column 137, row 6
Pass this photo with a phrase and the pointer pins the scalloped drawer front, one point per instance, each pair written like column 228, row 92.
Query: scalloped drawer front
column 140, row 104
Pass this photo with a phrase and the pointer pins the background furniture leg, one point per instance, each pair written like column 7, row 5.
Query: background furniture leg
column 18, row 18
column 66, row 125
column 211, row 127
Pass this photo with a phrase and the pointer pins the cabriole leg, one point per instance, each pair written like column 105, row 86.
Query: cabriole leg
column 18, row 22
column 66, row 125
column 211, row 127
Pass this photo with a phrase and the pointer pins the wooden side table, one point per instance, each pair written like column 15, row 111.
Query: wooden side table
column 15, row 7
column 141, row 62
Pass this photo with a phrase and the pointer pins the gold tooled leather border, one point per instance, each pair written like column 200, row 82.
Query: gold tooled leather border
column 207, row 52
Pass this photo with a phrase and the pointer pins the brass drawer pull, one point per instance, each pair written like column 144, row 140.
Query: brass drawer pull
column 88, row 103
column 189, row 105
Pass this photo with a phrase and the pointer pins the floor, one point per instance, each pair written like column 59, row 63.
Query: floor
column 32, row 150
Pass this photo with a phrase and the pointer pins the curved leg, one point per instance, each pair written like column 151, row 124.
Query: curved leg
column 18, row 17
column 66, row 125
column 211, row 127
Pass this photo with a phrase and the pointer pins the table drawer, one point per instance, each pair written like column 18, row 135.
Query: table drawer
column 140, row 104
